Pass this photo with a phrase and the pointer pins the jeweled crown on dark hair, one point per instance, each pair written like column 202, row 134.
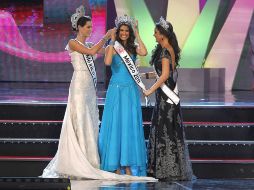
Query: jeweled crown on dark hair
column 124, row 20
column 80, row 12
column 163, row 23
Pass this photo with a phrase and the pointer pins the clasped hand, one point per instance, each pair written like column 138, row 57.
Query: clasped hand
column 147, row 92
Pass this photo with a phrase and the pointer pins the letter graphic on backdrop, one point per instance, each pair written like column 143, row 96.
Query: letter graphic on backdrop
column 227, row 49
column 183, row 20
column 195, row 47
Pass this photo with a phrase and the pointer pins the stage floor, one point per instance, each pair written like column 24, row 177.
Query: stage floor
column 199, row 184
column 56, row 93
column 29, row 95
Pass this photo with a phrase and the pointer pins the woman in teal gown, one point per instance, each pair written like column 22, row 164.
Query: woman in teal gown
column 121, row 137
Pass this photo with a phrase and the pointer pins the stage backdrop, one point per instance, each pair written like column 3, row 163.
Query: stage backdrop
column 34, row 34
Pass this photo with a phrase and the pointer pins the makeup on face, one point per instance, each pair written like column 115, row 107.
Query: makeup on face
column 156, row 34
column 87, row 29
column 124, row 32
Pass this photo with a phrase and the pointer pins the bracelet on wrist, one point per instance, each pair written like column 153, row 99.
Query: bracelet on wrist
column 104, row 39
column 112, row 43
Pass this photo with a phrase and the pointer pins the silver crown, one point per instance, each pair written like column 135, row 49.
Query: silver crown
column 80, row 12
column 163, row 23
column 124, row 20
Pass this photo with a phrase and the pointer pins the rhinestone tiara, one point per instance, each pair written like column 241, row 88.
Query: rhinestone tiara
column 80, row 12
column 163, row 23
column 124, row 20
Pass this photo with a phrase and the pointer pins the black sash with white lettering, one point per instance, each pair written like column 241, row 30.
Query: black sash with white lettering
column 171, row 94
column 133, row 70
column 90, row 65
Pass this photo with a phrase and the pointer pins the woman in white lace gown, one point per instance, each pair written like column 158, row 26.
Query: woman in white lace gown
column 77, row 154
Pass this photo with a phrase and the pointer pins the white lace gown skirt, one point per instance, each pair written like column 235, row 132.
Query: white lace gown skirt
column 77, row 154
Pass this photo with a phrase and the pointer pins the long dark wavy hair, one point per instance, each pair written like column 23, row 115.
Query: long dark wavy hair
column 130, row 45
column 170, row 34
column 82, row 22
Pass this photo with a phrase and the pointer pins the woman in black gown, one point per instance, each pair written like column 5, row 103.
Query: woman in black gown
column 168, row 156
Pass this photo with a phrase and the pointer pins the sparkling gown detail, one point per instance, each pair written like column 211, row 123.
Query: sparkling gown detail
column 168, row 155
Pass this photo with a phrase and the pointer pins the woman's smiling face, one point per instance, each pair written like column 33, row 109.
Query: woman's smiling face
column 124, row 32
